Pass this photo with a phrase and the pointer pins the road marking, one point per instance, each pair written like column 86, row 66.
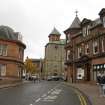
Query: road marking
column 81, row 98
column 50, row 97
column 57, row 91
column 47, row 100
column 44, row 95
column 38, row 100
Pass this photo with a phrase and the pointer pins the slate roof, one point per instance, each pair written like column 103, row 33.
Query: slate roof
column 75, row 23
column 96, row 22
column 55, row 32
column 7, row 33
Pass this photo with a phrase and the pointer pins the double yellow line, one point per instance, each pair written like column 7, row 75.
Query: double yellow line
column 81, row 98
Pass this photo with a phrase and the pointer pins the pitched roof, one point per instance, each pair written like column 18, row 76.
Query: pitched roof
column 75, row 23
column 102, row 11
column 85, row 20
column 55, row 32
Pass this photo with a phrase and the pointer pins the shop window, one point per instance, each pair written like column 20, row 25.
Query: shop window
column 3, row 50
column 99, row 66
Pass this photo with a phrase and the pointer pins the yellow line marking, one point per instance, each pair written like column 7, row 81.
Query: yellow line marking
column 84, row 101
column 81, row 98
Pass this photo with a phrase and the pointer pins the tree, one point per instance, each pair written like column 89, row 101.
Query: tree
column 29, row 66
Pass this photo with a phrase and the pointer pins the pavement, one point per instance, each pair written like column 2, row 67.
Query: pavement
column 10, row 82
column 91, row 91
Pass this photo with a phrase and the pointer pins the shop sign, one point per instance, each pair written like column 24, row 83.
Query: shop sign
column 98, row 66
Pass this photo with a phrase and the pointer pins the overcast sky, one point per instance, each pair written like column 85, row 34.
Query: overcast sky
column 35, row 19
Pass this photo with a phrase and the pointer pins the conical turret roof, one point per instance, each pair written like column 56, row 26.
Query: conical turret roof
column 75, row 23
column 55, row 32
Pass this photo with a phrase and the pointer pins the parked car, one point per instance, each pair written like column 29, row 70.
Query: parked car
column 49, row 78
column 55, row 78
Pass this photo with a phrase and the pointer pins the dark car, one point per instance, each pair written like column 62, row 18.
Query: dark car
column 49, row 78
column 54, row 78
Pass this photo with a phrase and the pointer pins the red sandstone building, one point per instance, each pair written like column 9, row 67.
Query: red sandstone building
column 85, row 48
column 11, row 53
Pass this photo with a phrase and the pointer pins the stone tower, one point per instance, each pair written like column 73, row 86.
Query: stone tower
column 54, row 54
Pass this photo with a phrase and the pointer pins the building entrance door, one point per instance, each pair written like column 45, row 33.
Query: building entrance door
column 87, row 67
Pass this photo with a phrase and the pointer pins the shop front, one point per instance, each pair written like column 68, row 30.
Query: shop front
column 83, row 69
column 98, row 66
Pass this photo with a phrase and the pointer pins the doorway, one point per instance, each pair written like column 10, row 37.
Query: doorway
column 87, row 67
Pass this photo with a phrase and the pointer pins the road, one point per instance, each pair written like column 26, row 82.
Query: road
column 43, row 93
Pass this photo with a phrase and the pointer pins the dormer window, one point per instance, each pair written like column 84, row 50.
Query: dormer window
column 86, row 30
column 19, row 37
column 104, row 21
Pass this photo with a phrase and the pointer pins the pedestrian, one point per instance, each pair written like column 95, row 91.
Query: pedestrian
column 34, row 79
column 103, row 85
column 99, row 83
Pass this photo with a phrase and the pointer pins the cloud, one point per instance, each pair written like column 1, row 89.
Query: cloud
column 35, row 19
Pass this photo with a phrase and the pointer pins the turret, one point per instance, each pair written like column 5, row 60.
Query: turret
column 54, row 35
